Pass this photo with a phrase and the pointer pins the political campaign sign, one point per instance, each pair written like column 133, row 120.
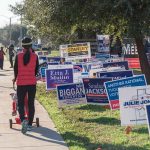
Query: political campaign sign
column 132, row 104
column 39, row 53
column 115, row 74
column 130, row 52
column 133, row 63
column 76, row 51
column 63, row 50
column 56, row 77
column 79, row 50
column 114, row 58
column 77, row 77
column 94, row 71
column 42, row 59
column 95, row 90
column 147, row 109
column 103, row 43
column 71, row 94
column 68, row 63
column 102, row 56
column 52, row 63
column 60, row 66
column 42, row 65
column 42, row 71
column 86, row 67
column 122, row 64
column 45, row 53
column 53, row 59
column 130, row 48
column 113, row 86
column 85, row 75
column 77, row 68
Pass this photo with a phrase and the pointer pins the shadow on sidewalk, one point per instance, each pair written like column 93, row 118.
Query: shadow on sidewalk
column 45, row 134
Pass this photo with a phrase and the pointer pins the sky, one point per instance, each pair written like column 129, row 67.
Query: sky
column 6, row 14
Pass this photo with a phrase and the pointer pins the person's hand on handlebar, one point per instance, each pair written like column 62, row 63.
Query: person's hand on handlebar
column 13, row 80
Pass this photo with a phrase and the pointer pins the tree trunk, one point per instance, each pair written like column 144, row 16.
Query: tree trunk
column 145, row 67
column 80, row 33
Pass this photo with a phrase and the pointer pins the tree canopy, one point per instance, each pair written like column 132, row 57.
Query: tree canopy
column 63, row 20
column 66, row 19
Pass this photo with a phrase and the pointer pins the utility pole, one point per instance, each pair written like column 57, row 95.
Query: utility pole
column 10, row 30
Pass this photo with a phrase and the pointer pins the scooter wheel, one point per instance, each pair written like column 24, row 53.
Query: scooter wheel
column 37, row 122
column 10, row 123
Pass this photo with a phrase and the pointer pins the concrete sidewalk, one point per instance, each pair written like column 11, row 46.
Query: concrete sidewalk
column 44, row 137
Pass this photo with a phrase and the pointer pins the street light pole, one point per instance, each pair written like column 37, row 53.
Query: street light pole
column 10, row 30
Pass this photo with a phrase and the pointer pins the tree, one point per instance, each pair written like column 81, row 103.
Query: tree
column 135, row 15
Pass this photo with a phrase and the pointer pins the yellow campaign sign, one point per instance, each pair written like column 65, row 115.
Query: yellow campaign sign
column 77, row 49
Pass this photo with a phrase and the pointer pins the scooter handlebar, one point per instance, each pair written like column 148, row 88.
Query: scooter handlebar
column 14, row 87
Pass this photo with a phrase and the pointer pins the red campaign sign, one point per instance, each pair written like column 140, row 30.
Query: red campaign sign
column 133, row 63
column 114, row 104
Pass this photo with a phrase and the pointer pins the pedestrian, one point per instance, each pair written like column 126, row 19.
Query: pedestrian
column 25, row 70
column 11, row 54
column 2, row 53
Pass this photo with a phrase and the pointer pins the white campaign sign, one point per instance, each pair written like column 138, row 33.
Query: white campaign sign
column 63, row 50
column 132, row 104
column 60, row 66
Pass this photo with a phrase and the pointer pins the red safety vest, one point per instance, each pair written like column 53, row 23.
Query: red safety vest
column 26, row 74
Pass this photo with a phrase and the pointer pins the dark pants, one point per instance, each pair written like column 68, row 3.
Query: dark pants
column 1, row 63
column 30, row 90
column 11, row 60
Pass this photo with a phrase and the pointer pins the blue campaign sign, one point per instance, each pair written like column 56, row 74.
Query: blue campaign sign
column 56, row 77
column 147, row 109
column 42, row 71
column 122, row 64
column 113, row 86
column 102, row 56
column 71, row 94
column 44, row 64
column 95, row 90
column 86, row 67
column 115, row 74
column 53, row 63
column 43, row 58
column 68, row 63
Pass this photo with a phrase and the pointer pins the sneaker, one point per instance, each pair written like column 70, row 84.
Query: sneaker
column 29, row 128
column 24, row 126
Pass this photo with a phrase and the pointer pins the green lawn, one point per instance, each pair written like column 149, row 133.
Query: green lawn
column 137, row 71
column 87, row 127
